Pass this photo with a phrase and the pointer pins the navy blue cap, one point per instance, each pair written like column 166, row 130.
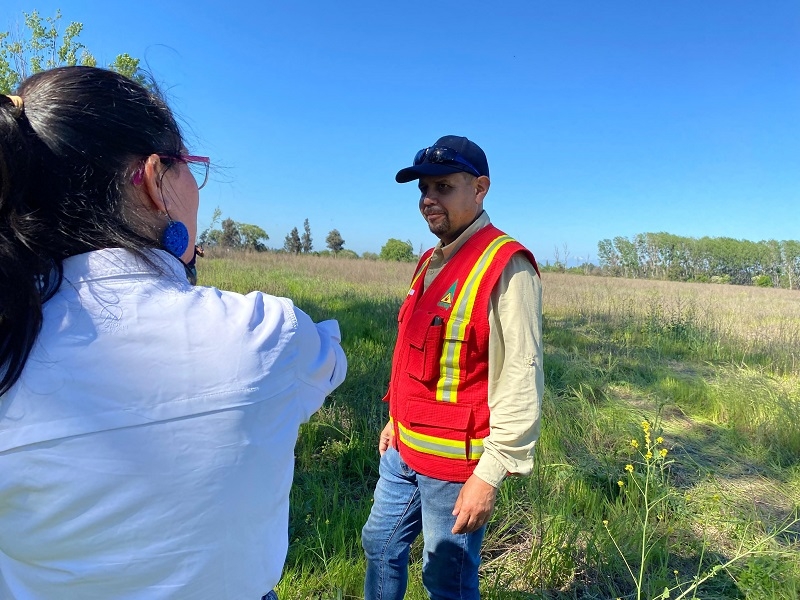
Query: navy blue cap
column 467, row 150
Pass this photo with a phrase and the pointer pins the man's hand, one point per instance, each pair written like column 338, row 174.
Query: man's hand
column 474, row 505
column 386, row 438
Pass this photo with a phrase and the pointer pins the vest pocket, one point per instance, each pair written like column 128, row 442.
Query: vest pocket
column 424, row 348
column 437, row 428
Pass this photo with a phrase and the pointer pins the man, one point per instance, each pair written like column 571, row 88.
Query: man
column 466, row 384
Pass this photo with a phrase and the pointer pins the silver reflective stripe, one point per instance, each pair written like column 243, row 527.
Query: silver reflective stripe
column 428, row 444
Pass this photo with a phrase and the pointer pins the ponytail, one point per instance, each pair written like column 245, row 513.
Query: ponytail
column 21, row 295
column 68, row 145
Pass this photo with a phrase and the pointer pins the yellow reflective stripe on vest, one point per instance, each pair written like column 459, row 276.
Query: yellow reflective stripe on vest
column 449, row 370
column 418, row 273
column 428, row 444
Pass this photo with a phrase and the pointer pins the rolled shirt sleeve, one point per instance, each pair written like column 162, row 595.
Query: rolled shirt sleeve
column 516, row 377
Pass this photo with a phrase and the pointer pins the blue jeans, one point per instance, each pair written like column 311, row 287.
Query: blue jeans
column 405, row 504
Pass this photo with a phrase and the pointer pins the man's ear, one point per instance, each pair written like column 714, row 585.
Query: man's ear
column 482, row 184
column 153, row 171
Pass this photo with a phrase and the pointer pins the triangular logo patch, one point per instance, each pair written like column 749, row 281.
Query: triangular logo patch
column 447, row 299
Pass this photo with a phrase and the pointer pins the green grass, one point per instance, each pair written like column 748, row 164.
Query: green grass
column 727, row 407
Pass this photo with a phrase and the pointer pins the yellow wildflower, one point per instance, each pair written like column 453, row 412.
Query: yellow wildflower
column 648, row 456
column 635, row 443
column 605, row 522
column 629, row 468
column 659, row 440
column 645, row 426
column 620, row 483
column 663, row 452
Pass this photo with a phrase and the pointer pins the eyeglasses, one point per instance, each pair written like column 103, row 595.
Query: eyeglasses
column 442, row 154
column 198, row 165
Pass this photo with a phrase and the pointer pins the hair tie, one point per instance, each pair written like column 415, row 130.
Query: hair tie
column 18, row 104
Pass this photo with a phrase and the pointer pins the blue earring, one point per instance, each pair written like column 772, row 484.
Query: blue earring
column 175, row 238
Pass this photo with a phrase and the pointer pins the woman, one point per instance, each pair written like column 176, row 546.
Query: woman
column 147, row 426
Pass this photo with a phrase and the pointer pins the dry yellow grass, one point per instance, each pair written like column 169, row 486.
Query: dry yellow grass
column 351, row 270
column 372, row 277
column 749, row 318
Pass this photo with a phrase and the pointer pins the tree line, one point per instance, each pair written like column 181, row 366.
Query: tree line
column 769, row 263
column 233, row 235
column 294, row 243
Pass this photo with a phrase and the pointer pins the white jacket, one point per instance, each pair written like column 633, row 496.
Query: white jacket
column 148, row 449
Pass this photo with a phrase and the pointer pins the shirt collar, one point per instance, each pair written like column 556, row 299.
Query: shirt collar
column 114, row 262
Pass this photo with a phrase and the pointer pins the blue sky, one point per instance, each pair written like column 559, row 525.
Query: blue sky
column 599, row 118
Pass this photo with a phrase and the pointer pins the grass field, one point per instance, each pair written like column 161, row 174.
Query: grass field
column 670, row 448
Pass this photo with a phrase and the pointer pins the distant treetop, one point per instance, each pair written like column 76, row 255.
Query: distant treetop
column 39, row 46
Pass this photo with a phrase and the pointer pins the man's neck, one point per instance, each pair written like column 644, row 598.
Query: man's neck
column 460, row 232
column 449, row 249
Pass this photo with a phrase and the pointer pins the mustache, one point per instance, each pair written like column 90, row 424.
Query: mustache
column 433, row 211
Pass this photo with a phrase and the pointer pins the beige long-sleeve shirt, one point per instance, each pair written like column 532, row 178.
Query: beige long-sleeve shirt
column 516, row 378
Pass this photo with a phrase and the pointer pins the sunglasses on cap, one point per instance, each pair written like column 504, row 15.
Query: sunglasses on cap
column 443, row 155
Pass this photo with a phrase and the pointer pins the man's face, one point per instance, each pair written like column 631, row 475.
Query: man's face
column 450, row 203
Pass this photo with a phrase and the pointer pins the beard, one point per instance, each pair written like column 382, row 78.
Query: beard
column 440, row 226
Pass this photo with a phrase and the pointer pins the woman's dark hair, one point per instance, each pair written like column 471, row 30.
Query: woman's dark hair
column 66, row 160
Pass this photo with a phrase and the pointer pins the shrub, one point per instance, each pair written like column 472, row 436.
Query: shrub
column 762, row 281
column 396, row 250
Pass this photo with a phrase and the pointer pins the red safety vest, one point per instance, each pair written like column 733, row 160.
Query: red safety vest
column 439, row 386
